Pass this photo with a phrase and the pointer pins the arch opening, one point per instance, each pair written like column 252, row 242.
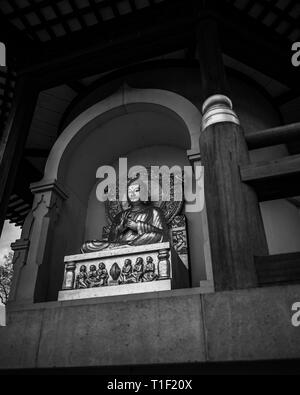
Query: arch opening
column 149, row 127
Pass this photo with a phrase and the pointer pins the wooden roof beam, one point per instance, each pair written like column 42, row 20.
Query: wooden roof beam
column 166, row 27
column 120, row 43
column 287, row 97
column 17, row 43
column 256, row 46
column 276, row 179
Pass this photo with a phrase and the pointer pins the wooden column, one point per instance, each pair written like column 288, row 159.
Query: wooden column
column 235, row 225
column 14, row 137
column 209, row 56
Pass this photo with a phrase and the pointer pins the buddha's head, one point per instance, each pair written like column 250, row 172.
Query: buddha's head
column 133, row 192
column 137, row 192
column 93, row 268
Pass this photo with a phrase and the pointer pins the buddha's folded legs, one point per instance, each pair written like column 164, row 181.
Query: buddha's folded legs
column 98, row 245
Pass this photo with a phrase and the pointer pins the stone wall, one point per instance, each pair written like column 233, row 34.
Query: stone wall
column 180, row 326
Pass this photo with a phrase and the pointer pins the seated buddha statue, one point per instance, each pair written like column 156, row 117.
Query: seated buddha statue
column 140, row 224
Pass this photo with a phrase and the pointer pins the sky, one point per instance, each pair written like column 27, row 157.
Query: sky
column 2, row 315
column 9, row 235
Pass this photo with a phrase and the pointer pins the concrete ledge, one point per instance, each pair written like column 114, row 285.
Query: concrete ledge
column 123, row 289
column 15, row 306
column 180, row 326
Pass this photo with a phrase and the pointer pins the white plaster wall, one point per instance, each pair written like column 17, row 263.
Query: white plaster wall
column 254, row 110
column 256, row 113
column 282, row 225
column 281, row 218
column 102, row 143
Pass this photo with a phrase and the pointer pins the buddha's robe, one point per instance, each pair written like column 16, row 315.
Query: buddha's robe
column 151, row 228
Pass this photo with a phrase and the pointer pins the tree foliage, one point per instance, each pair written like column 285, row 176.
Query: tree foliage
column 6, row 273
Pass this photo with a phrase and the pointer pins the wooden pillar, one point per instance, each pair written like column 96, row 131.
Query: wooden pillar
column 14, row 137
column 209, row 56
column 235, row 225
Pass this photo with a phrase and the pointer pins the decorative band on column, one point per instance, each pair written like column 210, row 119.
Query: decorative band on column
column 216, row 109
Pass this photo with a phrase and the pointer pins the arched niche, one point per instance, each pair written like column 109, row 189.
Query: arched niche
column 129, row 121
column 103, row 141
column 124, row 102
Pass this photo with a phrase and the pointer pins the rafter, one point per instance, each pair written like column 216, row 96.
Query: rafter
column 114, row 7
column 17, row 43
column 76, row 86
column 287, row 97
column 75, row 13
column 133, row 39
column 95, row 8
column 133, row 5
column 249, row 6
column 44, row 21
column 257, row 46
column 285, row 13
column 270, row 6
column 60, row 18
column 120, row 42
column 20, row 15
column 78, row 14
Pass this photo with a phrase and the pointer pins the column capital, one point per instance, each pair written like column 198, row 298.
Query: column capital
column 20, row 245
column 194, row 156
column 49, row 186
column 218, row 109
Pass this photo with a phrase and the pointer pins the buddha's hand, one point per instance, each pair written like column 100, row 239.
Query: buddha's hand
column 122, row 226
column 132, row 225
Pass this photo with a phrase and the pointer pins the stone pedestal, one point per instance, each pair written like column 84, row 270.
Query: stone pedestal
column 169, row 272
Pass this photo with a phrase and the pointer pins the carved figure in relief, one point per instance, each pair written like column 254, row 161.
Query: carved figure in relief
column 126, row 273
column 102, row 274
column 92, row 279
column 149, row 272
column 138, row 269
column 81, row 278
